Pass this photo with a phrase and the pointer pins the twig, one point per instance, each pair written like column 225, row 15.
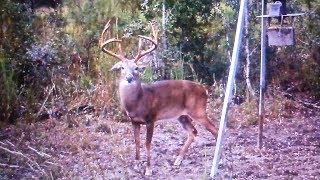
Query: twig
column 42, row 154
column 31, row 167
column 303, row 42
column 15, row 152
column 45, row 100
column 8, row 165
column 24, row 156
column 51, row 176
column 52, row 163
column 306, row 104
column 253, row 51
column 8, row 142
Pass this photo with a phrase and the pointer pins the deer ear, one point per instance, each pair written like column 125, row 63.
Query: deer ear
column 117, row 66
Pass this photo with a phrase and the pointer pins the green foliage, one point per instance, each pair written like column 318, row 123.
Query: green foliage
column 15, row 29
column 192, row 38
column 201, row 43
column 250, row 109
column 298, row 67
column 86, row 82
column 85, row 20
column 8, row 90
column 177, row 71
column 15, row 38
column 147, row 75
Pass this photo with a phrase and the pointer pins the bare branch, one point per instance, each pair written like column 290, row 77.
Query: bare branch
column 25, row 157
column 9, row 166
column 15, row 153
column 42, row 154
column 8, row 142
column 45, row 100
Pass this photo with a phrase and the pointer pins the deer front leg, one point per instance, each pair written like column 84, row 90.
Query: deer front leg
column 136, row 132
column 150, row 127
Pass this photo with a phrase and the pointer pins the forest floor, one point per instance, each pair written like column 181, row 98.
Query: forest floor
column 98, row 147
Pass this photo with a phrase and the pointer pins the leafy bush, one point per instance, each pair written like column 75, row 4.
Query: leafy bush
column 15, row 37
column 8, row 91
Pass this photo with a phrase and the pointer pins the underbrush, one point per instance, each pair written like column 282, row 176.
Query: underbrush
column 278, row 106
column 8, row 91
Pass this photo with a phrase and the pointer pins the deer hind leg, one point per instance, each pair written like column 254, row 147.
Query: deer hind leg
column 150, row 127
column 209, row 126
column 192, row 132
column 204, row 120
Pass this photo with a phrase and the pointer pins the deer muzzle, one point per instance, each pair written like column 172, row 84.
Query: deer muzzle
column 129, row 78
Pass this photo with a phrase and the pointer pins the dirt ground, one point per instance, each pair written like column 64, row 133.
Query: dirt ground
column 97, row 147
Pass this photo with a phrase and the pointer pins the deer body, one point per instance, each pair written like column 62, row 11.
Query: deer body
column 146, row 103
column 162, row 100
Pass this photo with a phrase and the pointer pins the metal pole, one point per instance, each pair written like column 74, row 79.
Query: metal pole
column 230, row 83
column 262, row 73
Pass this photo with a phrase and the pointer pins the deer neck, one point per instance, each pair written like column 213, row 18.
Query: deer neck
column 130, row 93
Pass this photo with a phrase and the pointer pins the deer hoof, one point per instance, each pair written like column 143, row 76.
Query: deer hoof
column 148, row 171
column 177, row 162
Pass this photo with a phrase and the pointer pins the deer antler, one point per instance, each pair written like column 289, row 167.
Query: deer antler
column 153, row 40
column 104, row 43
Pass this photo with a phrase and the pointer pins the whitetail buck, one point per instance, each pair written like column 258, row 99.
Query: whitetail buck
column 147, row 103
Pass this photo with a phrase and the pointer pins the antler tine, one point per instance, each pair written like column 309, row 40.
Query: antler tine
column 155, row 31
column 105, row 43
column 106, row 27
column 153, row 40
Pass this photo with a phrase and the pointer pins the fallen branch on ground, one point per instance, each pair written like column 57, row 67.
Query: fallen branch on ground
column 10, row 143
column 18, row 153
column 45, row 100
column 9, row 166
column 42, row 154
column 306, row 104
column 52, row 163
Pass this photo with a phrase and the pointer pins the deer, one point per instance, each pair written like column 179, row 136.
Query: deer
column 145, row 104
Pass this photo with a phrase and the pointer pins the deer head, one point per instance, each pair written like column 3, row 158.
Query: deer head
column 129, row 67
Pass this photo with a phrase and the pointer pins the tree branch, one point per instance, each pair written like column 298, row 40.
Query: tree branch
column 42, row 154
column 9, row 166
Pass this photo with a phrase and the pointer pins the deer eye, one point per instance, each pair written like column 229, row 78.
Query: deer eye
column 136, row 69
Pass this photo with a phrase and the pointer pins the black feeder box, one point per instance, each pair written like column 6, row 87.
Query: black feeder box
column 281, row 36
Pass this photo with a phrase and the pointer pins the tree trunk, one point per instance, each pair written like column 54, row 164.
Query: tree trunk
column 249, row 90
column 230, row 58
column 164, row 25
column 163, row 71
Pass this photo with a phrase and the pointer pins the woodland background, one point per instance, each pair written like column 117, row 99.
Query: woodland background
column 51, row 64
column 46, row 43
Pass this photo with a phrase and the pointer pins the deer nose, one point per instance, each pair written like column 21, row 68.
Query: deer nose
column 129, row 79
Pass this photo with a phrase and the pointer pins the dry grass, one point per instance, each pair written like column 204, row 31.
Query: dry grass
column 101, row 147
